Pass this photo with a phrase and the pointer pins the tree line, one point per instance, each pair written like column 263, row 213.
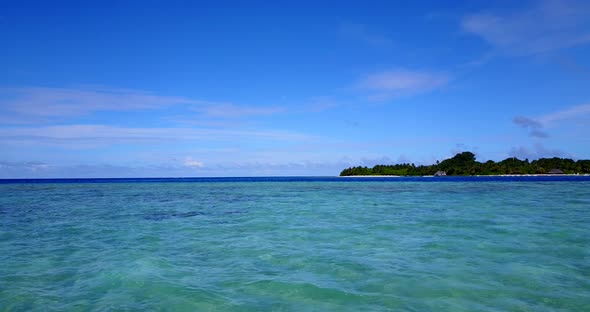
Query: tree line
column 465, row 164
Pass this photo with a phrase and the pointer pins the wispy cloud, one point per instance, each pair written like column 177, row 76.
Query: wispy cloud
column 25, row 169
column 100, row 135
column 51, row 102
column 573, row 66
column 390, row 84
column 526, row 122
column 536, row 151
column 539, row 134
column 35, row 169
column 547, row 26
column 537, row 124
column 360, row 32
column 572, row 112
column 192, row 163
column 30, row 166
column 247, row 168
column 320, row 104
column 229, row 110
column 533, row 125
column 21, row 105
column 576, row 111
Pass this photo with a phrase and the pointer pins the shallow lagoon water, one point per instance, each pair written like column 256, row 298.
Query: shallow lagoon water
column 296, row 244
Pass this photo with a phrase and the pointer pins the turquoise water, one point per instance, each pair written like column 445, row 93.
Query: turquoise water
column 404, row 245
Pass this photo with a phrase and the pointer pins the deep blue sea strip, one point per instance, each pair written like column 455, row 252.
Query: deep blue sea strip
column 558, row 178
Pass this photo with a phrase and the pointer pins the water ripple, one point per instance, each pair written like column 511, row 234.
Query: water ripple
column 292, row 246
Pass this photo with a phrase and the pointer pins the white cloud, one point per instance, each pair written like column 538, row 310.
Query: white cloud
column 48, row 102
column 228, row 110
column 572, row 112
column 96, row 135
column 389, row 84
column 191, row 163
column 568, row 113
column 360, row 32
column 40, row 104
column 27, row 166
column 233, row 169
column 548, row 26
column 536, row 125
column 38, row 166
column 319, row 104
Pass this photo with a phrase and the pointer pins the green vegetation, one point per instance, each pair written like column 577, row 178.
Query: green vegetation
column 465, row 164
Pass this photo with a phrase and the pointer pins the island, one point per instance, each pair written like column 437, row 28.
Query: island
column 465, row 163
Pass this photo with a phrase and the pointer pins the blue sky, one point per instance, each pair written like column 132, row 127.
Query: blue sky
column 248, row 88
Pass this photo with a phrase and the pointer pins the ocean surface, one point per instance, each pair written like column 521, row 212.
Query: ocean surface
column 296, row 244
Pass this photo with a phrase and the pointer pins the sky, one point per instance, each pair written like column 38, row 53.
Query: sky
column 284, row 88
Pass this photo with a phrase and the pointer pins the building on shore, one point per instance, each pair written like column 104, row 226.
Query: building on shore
column 555, row 171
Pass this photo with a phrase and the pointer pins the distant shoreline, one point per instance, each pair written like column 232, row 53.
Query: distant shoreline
column 480, row 175
column 465, row 164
